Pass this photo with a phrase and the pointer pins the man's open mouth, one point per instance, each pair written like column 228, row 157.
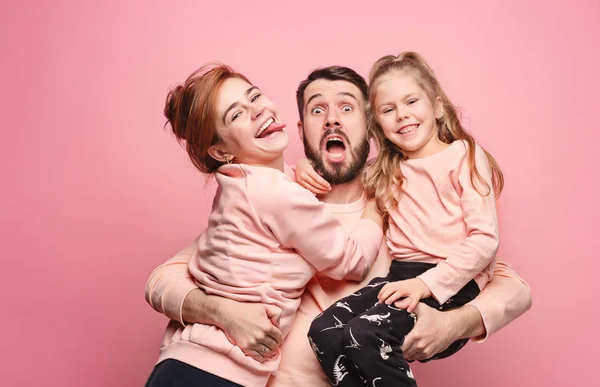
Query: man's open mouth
column 335, row 147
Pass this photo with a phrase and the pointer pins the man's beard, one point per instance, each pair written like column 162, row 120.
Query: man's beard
column 339, row 173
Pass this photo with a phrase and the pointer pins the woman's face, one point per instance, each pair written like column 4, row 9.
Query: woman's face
column 248, row 124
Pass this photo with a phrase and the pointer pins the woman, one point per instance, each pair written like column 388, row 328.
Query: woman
column 266, row 235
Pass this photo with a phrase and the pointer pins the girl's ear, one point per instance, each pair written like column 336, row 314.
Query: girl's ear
column 438, row 108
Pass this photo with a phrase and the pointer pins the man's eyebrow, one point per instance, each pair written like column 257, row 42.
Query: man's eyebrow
column 233, row 105
column 342, row 93
column 345, row 93
column 313, row 97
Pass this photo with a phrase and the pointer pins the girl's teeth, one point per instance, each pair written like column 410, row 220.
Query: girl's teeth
column 408, row 129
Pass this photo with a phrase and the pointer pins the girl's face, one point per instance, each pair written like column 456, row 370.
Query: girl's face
column 248, row 124
column 407, row 115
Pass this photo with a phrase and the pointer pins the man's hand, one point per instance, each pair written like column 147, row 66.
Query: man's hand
column 251, row 326
column 254, row 328
column 308, row 178
column 434, row 331
column 413, row 289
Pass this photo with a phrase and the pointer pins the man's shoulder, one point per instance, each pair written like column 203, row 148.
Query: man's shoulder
column 275, row 191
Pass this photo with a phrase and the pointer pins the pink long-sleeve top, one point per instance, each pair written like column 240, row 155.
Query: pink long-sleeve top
column 504, row 299
column 266, row 238
column 442, row 219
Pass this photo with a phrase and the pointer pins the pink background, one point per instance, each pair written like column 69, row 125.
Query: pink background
column 95, row 193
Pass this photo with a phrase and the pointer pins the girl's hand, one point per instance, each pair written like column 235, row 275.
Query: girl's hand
column 413, row 289
column 308, row 178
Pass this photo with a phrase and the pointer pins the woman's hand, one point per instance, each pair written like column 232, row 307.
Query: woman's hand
column 308, row 178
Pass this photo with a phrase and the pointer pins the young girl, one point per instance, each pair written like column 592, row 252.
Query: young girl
column 266, row 235
column 436, row 189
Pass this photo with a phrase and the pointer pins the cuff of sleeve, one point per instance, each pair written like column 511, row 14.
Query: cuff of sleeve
column 175, row 298
column 491, row 310
column 438, row 291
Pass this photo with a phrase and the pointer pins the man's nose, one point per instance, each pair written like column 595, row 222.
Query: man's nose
column 333, row 120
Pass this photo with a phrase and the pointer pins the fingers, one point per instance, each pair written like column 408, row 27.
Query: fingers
column 385, row 292
column 390, row 293
column 307, row 181
column 404, row 303
column 418, row 344
column 256, row 356
column 276, row 335
column 319, row 180
column 263, row 349
column 271, row 345
column 274, row 314
column 408, row 347
column 395, row 296
column 414, row 301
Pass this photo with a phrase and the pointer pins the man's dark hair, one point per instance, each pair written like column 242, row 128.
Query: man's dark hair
column 330, row 73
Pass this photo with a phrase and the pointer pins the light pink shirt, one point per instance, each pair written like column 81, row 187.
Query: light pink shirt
column 504, row 299
column 266, row 238
column 441, row 219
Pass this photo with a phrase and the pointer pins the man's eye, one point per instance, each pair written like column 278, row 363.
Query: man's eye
column 317, row 111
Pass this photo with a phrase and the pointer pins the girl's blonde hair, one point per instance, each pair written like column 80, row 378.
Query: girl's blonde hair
column 384, row 172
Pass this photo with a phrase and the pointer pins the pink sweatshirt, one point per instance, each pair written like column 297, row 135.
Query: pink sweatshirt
column 441, row 219
column 266, row 238
column 504, row 299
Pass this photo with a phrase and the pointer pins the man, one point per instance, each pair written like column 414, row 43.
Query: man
column 331, row 105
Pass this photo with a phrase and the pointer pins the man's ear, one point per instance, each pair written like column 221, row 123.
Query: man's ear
column 218, row 153
column 301, row 130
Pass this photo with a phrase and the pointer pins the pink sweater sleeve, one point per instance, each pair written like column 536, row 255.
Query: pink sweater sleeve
column 299, row 221
column 506, row 297
column 481, row 244
column 170, row 283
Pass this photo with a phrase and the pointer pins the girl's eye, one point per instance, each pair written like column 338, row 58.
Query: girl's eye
column 255, row 97
column 236, row 115
column 347, row 108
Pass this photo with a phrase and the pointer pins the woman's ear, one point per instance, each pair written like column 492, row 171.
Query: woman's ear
column 218, row 153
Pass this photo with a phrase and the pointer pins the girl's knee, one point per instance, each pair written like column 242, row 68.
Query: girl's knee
column 318, row 327
column 356, row 335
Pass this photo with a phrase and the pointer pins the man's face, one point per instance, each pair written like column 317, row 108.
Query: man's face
column 334, row 130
